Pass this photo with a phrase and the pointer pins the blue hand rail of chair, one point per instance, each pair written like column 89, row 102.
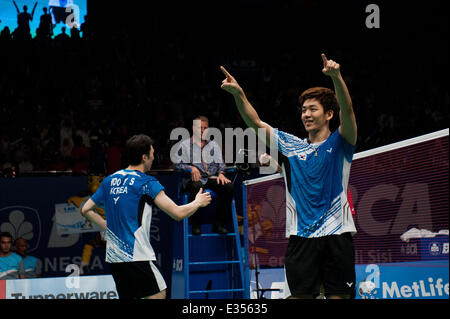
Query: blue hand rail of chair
column 187, row 263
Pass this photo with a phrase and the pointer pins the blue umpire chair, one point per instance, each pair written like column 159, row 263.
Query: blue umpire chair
column 208, row 265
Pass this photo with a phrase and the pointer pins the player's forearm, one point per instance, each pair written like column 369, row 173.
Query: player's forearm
column 95, row 218
column 252, row 119
column 247, row 111
column 342, row 95
column 348, row 128
column 177, row 212
column 185, row 211
column 88, row 212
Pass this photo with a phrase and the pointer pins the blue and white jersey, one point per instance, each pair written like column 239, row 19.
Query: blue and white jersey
column 127, row 197
column 316, row 177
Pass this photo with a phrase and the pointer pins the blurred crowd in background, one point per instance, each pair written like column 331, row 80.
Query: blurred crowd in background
column 68, row 102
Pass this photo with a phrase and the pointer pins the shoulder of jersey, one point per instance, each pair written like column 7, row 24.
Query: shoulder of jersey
column 150, row 178
column 122, row 172
column 291, row 136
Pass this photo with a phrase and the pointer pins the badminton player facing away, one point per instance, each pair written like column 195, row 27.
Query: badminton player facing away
column 319, row 221
column 127, row 197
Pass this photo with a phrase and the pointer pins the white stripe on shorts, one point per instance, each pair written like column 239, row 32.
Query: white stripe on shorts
column 159, row 278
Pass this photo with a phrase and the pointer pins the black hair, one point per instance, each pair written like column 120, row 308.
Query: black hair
column 135, row 147
column 327, row 98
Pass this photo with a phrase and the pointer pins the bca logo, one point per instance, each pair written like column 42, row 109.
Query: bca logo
column 22, row 221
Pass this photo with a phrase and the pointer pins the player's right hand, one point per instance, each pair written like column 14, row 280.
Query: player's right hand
column 204, row 199
column 230, row 84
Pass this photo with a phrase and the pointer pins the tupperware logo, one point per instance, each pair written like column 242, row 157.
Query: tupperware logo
column 22, row 221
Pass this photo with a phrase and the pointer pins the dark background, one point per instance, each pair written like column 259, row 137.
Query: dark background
column 151, row 66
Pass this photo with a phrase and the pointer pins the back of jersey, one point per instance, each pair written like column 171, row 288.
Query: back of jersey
column 128, row 196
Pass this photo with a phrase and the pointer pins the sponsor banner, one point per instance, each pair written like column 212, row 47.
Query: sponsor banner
column 71, row 287
column 70, row 221
column 27, row 209
column 434, row 248
column 398, row 189
column 409, row 280
column 266, row 221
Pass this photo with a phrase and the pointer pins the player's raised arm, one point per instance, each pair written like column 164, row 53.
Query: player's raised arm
column 347, row 128
column 248, row 113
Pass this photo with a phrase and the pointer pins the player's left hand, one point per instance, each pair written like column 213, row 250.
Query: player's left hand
column 330, row 67
column 221, row 179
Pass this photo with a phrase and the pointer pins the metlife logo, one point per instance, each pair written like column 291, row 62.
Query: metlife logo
column 411, row 280
column 430, row 288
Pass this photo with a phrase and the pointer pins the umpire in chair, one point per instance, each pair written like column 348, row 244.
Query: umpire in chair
column 202, row 166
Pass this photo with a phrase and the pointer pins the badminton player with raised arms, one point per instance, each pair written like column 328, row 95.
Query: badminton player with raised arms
column 128, row 196
column 316, row 170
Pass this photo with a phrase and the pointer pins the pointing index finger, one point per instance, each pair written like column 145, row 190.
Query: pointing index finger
column 228, row 75
column 324, row 59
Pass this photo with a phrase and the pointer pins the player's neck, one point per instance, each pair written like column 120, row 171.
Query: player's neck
column 318, row 136
column 139, row 168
